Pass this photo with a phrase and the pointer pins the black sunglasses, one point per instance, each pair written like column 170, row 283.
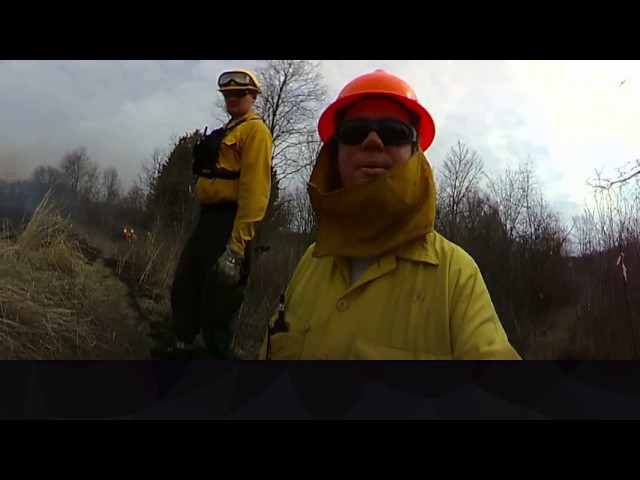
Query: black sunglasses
column 235, row 93
column 390, row 131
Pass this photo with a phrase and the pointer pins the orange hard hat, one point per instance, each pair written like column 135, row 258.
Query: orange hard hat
column 379, row 83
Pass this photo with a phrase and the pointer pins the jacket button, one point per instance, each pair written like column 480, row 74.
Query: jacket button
column 342, row 305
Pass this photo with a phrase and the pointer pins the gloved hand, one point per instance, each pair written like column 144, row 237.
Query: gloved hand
column 228, row 267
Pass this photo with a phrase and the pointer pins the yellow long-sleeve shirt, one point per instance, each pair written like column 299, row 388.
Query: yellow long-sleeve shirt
column 247, row 149
column 427, row 301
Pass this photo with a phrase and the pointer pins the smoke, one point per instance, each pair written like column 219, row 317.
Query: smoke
column 14, row 164
column 19, row 200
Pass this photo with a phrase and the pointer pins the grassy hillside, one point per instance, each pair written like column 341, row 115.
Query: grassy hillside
column 58, row 299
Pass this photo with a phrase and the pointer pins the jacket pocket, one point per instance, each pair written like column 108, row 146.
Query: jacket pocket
column 228, row 159
column 286, row 346
column 216, row 190
column 363, row 349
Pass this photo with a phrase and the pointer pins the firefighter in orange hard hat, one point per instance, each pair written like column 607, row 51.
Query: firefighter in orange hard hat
column 379, row 283
column 388, row 88
column 232, row 165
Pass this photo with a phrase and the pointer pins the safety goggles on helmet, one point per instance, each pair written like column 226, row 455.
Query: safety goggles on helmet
column 390, row 131
column 239, row 79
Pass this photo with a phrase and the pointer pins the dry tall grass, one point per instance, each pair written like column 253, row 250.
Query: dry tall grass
column 151, row 258
column 147, row 265
column 54, row 304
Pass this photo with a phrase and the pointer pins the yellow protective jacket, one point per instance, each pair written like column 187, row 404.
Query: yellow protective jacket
column 247, row 149
column 424, row 299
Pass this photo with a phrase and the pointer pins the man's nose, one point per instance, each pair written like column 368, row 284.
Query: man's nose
column 373, row 141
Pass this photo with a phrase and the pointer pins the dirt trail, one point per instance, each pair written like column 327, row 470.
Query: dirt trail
column 143, row 301
column 125, row 295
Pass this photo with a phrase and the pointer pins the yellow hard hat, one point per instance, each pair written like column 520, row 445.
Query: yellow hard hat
column 238, row 79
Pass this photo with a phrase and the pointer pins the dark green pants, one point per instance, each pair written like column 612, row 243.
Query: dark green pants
column 197, row 300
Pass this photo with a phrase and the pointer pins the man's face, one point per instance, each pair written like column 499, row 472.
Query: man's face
column 238, row 102
column 366, row 155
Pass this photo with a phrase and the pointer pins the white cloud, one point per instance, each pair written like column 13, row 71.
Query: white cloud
column 570, row 117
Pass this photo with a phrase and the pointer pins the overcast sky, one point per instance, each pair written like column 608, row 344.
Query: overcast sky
column 569, row 117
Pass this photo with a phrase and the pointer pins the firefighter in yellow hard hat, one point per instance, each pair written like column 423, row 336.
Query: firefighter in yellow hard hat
column 380, row 283
column 232, row 165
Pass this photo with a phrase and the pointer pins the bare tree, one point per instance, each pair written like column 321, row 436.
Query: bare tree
column 625, row 174
column 90, row 185
column 74, row 167
column 135, row 198
column 302, row 214
column 45, row 175
column 461, row 173
column 293, row 91
column 111, row 185
column 151, row 169
column 609, row 255
column 509, row 193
